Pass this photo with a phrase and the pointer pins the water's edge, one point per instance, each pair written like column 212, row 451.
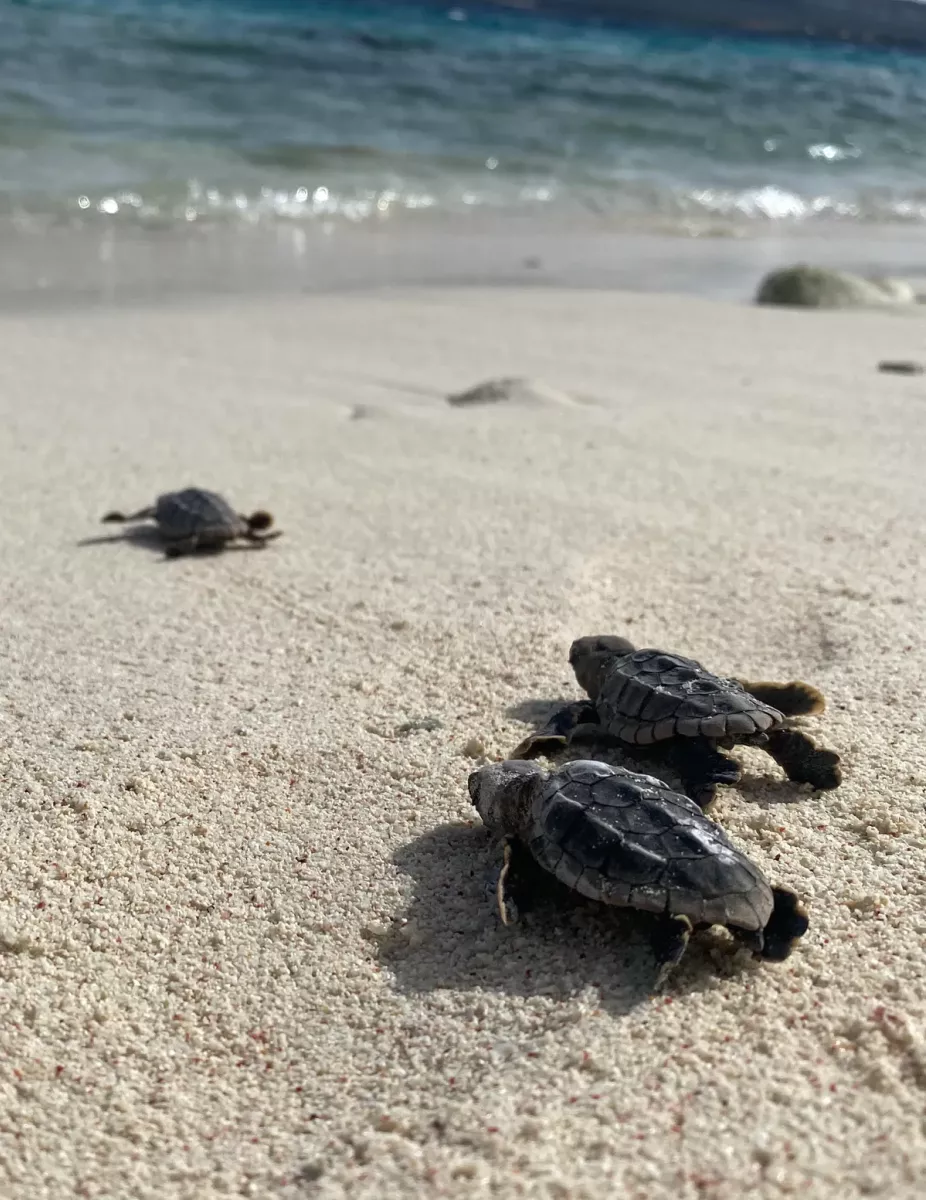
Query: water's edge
column 133, row 113
column 65, row 268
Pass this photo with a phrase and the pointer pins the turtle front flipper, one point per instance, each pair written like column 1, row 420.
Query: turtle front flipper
column 515, row 885
column 507, row 909
column 669, row 941
column 702, row 768
column 261, row 539
column 802, row 760
column 560, row 729
column 794, row 699
column 788, row 922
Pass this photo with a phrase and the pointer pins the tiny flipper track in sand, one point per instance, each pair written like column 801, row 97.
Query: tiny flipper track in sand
column 517, row 390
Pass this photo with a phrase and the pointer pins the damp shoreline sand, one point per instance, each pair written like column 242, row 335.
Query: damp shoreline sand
column 244, row 944
column 106, row 264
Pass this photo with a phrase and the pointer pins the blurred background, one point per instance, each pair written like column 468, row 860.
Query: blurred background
column 328, row 118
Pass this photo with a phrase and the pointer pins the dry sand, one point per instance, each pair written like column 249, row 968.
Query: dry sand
column 245, row 946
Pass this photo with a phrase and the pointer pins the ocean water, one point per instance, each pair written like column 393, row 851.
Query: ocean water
column 118, row 113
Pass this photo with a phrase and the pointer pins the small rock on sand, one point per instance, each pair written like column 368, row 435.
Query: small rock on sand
column 422, row 724
column 901, row 367
column 511, row 390
column 803, row 286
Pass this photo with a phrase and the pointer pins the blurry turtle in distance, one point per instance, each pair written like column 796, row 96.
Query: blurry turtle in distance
column 194, row 519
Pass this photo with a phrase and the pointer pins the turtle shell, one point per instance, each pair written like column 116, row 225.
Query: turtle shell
column 194, row 512
column 649, row 696
column 627, row 839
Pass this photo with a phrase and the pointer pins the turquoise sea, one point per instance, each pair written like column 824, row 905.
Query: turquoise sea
column 244, row 112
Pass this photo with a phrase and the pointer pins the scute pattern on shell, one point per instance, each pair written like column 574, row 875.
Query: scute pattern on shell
column 628, row 839
column 194, row 512
column 650, row 696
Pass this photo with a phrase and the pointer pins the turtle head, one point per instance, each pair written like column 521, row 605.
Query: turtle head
column 258, row 521
column 500, row 793
column 590, row 658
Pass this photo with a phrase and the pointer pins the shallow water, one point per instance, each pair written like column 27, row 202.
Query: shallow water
column 244, row 111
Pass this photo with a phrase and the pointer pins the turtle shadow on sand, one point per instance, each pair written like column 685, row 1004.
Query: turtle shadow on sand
column 149, row 537
column 450, row 936
column 755, row 788
column 767, row 792
column 144, row 537
column 535, row 712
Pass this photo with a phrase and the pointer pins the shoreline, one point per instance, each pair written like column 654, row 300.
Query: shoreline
column 62, row 268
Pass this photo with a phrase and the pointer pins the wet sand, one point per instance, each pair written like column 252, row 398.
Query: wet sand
column 109, row 263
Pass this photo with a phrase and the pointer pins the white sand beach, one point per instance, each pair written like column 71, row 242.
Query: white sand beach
column 244, row 944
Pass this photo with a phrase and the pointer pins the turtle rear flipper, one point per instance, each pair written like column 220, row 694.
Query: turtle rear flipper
column 560, row 729
column 143, row 514
column 794, row 699
column 788, row 922
column 802, row 760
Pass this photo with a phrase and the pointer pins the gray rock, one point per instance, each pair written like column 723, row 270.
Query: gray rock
column 901, row 367
column 803, row 286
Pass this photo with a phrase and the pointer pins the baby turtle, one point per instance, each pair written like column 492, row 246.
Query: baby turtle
column 628, row 840
column 646, row 697
column 194, row 519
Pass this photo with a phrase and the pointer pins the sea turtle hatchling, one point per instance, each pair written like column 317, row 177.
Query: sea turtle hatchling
column 648, row 697
column 194, row 519
column 628, row 840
